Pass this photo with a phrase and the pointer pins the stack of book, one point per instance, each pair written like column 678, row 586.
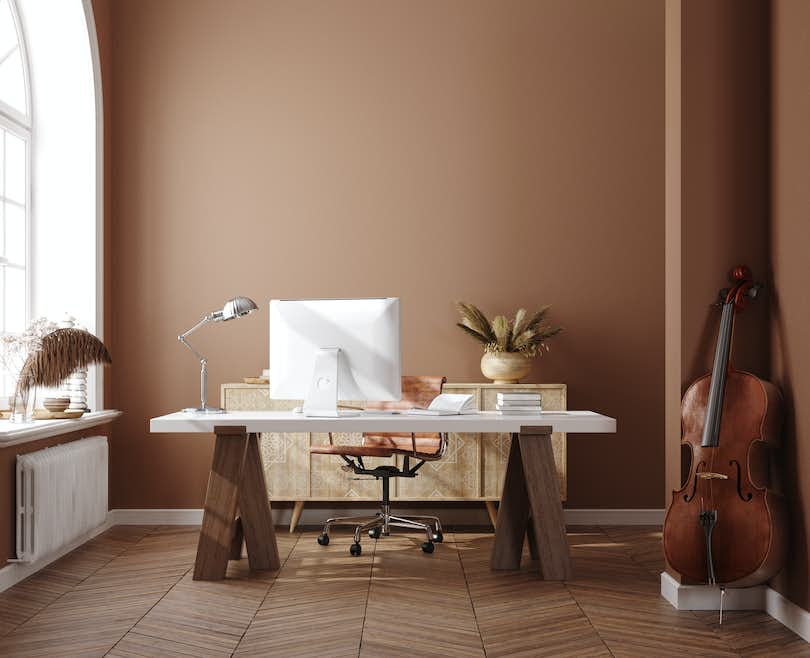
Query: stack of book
column 519, row 403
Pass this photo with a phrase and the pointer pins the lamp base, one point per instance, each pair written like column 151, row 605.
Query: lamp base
column 203, row 410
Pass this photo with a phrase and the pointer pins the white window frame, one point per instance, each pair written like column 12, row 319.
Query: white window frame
column 59, row 42
column 20, row 125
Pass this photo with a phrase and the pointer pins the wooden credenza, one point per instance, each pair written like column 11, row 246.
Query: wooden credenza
column 472, row 469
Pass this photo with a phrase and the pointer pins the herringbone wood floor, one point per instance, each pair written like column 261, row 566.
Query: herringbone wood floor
column 129, row 592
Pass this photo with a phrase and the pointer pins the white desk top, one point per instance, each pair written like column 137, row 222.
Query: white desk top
column 285, row 421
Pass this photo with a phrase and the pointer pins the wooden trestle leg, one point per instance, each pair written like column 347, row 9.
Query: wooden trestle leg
column 236, row 481
column 531, row 488
column 257, row 521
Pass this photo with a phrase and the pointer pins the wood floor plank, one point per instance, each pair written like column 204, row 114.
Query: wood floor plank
column 90, row 618
column 203, row 618
column 519, row 614
column 622, row 600
column 129, row 592
column 22, row 602
column 317, row 603
column 419, row 600
column 753, row 633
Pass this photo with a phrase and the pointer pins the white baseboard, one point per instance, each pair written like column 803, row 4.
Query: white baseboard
column 614, row 516
column 155, row 516
column 316, row 513
column 704, row 597
column 14, row 572
column 795, row 618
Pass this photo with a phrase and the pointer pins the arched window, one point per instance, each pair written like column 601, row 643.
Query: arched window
column 15, row 142
column 15, row 176
column 51, row 169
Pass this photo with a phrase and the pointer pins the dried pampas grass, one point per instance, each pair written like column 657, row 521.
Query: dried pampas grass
column 63, row 352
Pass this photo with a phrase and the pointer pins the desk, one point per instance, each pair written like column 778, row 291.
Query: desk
column 530, row 501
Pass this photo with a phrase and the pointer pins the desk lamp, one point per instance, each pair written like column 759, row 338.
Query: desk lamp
column 234, row 308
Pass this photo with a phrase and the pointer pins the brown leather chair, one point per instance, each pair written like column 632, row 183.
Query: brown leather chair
column 416, row 392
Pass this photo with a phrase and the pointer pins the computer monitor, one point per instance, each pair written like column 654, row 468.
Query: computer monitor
column 325, row 350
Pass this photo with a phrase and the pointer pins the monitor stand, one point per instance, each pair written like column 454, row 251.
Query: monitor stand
column 322, row 398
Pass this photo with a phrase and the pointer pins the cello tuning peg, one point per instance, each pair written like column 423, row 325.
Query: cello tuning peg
column 753, row 291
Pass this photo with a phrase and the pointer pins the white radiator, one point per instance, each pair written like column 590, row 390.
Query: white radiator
column 61, row 495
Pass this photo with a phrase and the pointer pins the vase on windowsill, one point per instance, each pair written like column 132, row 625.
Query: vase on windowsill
column 25, row 397
column 510, row 346
column 15, row 348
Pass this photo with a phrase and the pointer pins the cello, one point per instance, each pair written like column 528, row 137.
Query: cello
column 727, row 524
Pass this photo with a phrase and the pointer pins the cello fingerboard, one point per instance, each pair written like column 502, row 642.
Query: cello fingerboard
column 717, row 389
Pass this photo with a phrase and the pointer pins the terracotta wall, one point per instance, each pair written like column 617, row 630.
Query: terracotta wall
column 505, row 153
column 725, row 142
column 789, row 242
column 717, row 204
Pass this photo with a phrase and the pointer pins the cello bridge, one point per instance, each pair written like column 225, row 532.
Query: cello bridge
column 712, row 476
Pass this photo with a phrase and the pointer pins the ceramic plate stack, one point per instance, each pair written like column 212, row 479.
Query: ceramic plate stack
column 524, row 404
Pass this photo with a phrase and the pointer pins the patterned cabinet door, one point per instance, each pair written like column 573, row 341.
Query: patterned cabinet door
column 285, row 457
column 495, row 447
column 456, row 475
column 329, row 480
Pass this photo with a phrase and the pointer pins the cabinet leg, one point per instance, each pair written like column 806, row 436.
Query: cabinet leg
column 513, row 514
column 216, row 533
column 257, row 521
column 493, row 513
column 543, row 488
column 296, row 515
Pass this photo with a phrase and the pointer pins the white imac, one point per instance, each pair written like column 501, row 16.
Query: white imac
column 325, row 350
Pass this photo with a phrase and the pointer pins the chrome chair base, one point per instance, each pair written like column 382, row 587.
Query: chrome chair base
column 380, row 525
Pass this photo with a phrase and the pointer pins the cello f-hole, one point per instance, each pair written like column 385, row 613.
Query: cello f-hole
column 688, row 497
column 747, row 497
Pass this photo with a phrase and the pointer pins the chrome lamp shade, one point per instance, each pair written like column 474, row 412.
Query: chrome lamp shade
column 234, row 308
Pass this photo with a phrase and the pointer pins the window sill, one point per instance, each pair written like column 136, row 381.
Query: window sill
column 15, row 433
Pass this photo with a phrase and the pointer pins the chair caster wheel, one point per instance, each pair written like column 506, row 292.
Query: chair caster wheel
column 323, row 539
column 438, row 537
column 375, row 533
column 355, row 549
column 428, row 547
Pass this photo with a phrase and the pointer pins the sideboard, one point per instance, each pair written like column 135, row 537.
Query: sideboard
column 472, row 469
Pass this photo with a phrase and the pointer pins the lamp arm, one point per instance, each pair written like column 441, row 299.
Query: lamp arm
column 211, row 317
column 183, row 340
column 202, row 359
column 205, row 320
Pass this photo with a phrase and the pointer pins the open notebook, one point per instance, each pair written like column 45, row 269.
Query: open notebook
column 448, row 404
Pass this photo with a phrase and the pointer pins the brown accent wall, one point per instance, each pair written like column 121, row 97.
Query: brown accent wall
column 503, row 153
column 718, row 138
column 790, row 216
column 719, row 164
column 8, row 478
column 725, row 175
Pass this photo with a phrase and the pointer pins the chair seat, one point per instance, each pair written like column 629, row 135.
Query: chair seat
column 352, row 451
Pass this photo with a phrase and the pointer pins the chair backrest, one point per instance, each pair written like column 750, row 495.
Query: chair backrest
column 417, row 391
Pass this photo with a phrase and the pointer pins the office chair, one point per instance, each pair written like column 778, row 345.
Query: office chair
column 416, row 392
